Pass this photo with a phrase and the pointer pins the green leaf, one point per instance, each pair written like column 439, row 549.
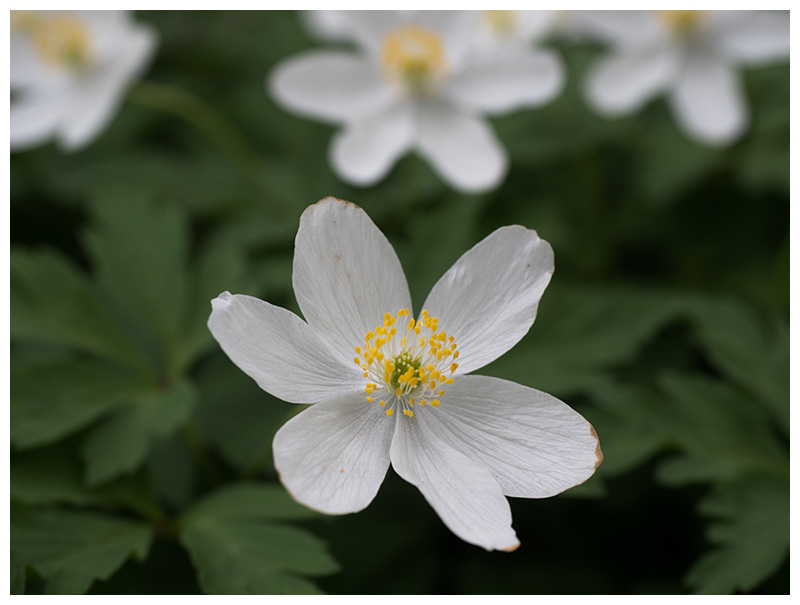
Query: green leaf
column 17, row 575
column 71, row 549
column 54, row 398
column 238, row 548
column 581, row 332
column 219, row 268
column 720, row 433
column 750, row 351
column 120, row 444
column 172, row 471
column 235, row 416
column 140, row 256
column 751, row 536
column 49, row 475
column 54, row 302
column 632, row 424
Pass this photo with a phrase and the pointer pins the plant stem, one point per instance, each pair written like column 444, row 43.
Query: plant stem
column 202, row 116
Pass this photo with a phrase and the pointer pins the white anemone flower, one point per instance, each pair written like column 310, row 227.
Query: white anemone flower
column 417, row 81
column 691, row 56
column 70, row 71
column 391, row 389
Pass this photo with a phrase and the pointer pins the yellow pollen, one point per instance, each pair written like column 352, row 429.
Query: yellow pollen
column 408, row 413
column 408, row 371
column 389, row 412
column 683, row 22
column 61, row 41
column 501, row 23
column 414, row 57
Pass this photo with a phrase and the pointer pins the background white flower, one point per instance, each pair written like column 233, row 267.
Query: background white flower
column 464, row 441
column 418, row 81
column 691, row 56
column 70, row 71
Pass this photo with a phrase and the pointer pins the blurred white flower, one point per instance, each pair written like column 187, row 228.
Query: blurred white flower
column 691, row 56
column 70, row 71
column 464, row 441
column 418, row 81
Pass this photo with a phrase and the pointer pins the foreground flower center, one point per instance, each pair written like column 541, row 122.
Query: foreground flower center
column 61, row 41
column 414, row 58
column 683, row 22
column 406, row 362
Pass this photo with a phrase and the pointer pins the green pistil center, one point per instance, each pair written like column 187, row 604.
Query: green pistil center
column 401, row 365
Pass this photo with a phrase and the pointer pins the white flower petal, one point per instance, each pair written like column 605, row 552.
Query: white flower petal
column 89, row 110
column 96, row 98
column 369, row 28
column 457, row 30
column 462, row 148
column 708, row 101
column 622, row 28
column 278, row 350
column 25, row 67
column 505, row 81
column 329, row 85
column 333, row 456
column 462, row 491
column 329, row 25
column 625, row 80
column 346, row 273
column 488, row 299
column 366, row 150
column 34, row 118
column 752, row 37
column 535, row 445
column 533, row 25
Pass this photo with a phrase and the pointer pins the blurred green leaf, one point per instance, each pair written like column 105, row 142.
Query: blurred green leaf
column 140, row 253
column 237, row 548
column 53, row 398
column 172, row 470
column 751, row 536
column 631, row 421
column 54, row 302
column 71, row 549
column 218, row 268
column 581, row 332
column 120, row 443
column 235, row 416
column 50, row 475
column 721, row 434
column 750, row 351
column 17, row 575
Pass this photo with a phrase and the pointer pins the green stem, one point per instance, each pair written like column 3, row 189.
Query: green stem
column 204, row 117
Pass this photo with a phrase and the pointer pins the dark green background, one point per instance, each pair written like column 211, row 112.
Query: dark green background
column 141, row 457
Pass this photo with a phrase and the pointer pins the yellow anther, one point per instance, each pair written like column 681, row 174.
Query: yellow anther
column 369, row 399
column 435, row 402
column 453, row 367
column 411, row 401
column 449, row 381
column 408, row 413
column 389, row 412
column 383, row 403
